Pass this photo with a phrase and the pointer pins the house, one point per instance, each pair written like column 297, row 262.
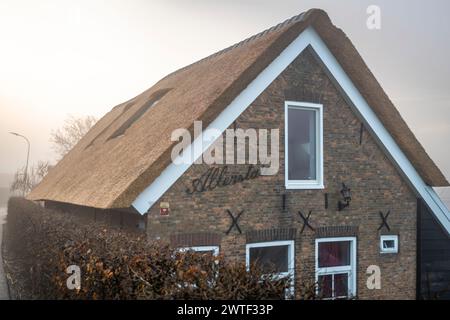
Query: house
column 353, row 186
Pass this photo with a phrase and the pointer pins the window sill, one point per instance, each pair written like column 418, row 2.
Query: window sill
column 303, row 186
column 388, row 252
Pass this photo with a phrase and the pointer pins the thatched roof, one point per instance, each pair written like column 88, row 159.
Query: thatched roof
column 119, row 158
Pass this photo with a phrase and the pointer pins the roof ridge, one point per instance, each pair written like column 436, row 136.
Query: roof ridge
column 296, row 18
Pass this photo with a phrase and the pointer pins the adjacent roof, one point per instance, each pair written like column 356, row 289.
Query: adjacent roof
column 130, row 146
column 444, row 194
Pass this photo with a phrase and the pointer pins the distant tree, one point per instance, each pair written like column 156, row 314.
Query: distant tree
column 66, row 137
column 63, row 140
column 23, row 184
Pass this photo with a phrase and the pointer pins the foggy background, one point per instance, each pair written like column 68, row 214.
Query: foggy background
column 84, row 57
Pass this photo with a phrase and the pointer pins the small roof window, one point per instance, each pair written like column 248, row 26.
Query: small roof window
column 154, row 99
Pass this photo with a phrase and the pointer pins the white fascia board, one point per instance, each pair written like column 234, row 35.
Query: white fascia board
column 396, row 154
column 308, row 37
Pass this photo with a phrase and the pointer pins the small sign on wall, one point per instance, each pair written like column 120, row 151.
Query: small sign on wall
column 164, row 209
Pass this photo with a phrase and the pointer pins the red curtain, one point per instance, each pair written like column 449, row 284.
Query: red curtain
column 334, row 254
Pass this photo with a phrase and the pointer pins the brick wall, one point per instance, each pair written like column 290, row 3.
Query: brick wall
column 375, row 183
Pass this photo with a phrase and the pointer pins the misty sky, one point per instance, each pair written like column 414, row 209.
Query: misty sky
column 66, row 57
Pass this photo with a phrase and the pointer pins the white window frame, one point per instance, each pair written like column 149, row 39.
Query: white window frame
column 305, row 184
column 291, row 257
column 351, row 270
column 291, row 254
column 389, row 238
column 214, row 249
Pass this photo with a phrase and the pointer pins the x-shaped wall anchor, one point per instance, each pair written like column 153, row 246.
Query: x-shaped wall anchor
column 384, row 220
column 234, row 221
column 305, row 221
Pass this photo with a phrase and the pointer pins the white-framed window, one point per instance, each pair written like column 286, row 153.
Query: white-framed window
column 214, row 250
column 275, row 256
column 389, row 244
column 336, row 267
column 303, row 145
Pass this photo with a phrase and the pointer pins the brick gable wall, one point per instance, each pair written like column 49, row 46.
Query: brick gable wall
column 375, row 183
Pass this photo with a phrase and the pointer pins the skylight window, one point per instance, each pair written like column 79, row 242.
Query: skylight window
column 125, row 109
column 154, row 99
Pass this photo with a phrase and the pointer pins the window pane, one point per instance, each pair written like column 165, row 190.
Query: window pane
column 270, row 259
column 334, row 254
column 325, row 284
column 388, row 244
column 341, row 285
column 301, row 144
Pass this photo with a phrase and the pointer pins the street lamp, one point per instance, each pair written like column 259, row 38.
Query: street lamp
column 28, row 155
column 346, row 194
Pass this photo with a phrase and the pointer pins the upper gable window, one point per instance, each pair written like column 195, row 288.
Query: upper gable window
column 303, row 145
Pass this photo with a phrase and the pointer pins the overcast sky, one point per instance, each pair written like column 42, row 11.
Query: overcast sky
column 66, row 57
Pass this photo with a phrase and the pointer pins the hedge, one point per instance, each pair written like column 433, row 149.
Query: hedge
column 39, row 245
